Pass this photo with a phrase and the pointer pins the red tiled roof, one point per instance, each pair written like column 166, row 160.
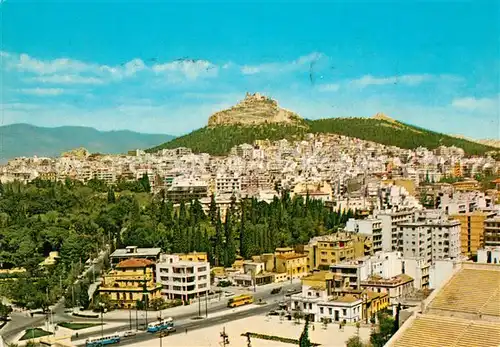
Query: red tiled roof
column 134, row 263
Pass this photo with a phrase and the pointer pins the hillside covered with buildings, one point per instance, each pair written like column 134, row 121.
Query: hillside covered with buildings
column 260, row 118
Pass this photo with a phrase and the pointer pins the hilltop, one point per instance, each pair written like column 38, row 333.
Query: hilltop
column 18, row 140
column 243, row 124
column 255, row 109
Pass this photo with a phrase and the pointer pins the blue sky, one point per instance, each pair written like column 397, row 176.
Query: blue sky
column 164, row 66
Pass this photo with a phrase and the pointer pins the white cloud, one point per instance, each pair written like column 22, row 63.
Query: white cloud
column 69, row 71
column 42, row 91
column 478, row 104
column 369, row 80
column 410, row 80
column 281, row 67
column 189, row 68
column 331, row 87
column 66, row 79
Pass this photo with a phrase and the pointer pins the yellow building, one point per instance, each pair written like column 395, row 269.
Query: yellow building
column 320, row 190
column 468, row 185
column 291, row 263
column 132, row 280
column 48, row 176
column 323, row 251
column 472, row 231
column 457, row 170
column 194, row 256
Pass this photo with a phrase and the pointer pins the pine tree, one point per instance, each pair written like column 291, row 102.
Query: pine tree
column 144, row 182
column 230, row 247
column 304, row 337
column 219, row 242
column 111, row 196
column 212, row 211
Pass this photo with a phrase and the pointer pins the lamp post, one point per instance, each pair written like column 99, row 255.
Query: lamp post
column 102, row 318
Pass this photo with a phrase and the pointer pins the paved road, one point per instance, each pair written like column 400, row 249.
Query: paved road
column 190, row 326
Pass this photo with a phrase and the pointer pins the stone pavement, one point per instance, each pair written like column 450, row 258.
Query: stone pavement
column 329, row 337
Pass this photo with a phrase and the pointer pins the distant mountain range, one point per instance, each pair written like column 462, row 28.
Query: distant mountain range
column 17, row 140
column 258, row 118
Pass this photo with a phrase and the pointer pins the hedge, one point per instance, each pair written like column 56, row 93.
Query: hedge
column 276, row 338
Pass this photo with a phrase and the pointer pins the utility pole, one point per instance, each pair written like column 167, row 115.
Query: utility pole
column 136, row 318
column 199, row 305
column 130, row 317
column 206, row 304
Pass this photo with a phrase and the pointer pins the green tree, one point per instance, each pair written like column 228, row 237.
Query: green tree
column 355, row 341
column 111, row 196
column 382, row 334
column 304, row 337
column 144, row 181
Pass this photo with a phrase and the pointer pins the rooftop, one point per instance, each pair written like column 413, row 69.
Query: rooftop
column 396, row 280
column 289, row 256
column 348, row 298
column 319, row 276
column 134, row 263
column 138, row 252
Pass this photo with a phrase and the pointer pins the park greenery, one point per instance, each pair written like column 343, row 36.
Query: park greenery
column 79, row 220
column 220, row 139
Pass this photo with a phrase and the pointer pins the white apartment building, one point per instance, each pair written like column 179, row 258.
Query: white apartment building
column 318, row 304
column 182, row 279
column 390, row 220
column 431, row 239
column 385, row 265
column 227, row 184
column 370, row 226
column 419, row 270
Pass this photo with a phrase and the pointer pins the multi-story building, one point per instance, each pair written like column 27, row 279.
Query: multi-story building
column 369, row 226
column 323, row 251
column 183, row 279
column 186, row 190
column 228, row 184
column 318, row 301
column 472, row 230
column 390, row 220
column 321, row 299
column 288, row 262
column 430, row 239
column 419, row 270
column 492, row 232
column 282, row 265
column 130, row 281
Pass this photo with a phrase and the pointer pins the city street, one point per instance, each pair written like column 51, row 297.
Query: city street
column 190, row 325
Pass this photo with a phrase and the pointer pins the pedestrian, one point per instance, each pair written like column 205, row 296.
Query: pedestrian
column 186, row 330
column 313, row 327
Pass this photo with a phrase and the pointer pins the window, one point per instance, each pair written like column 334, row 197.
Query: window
column 321, row 310
column 330, row 310
column 344, row 312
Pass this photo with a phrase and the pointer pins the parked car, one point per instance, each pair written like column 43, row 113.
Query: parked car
column 276, row 290
column 129, row 333
column 228, row 294
column 273, row 313
column 168, row 331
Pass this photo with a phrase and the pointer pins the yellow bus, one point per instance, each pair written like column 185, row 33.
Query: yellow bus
column 240, row 300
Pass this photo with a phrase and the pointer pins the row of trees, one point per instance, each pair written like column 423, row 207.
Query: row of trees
column 78, row 220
